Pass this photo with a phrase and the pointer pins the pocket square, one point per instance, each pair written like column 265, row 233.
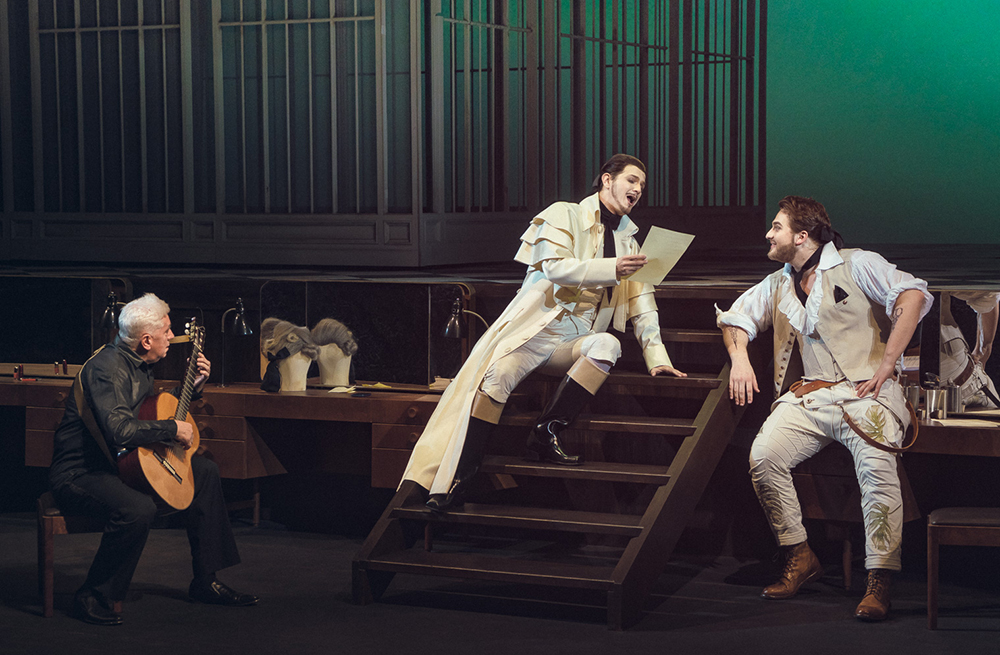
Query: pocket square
column 839, row 294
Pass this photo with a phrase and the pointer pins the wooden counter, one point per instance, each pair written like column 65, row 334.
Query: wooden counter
column 238, row 442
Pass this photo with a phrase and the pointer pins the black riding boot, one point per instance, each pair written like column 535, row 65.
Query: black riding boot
column 468, row 464
column 543, row 442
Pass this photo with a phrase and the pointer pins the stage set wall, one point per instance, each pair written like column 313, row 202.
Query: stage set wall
column 380, row 133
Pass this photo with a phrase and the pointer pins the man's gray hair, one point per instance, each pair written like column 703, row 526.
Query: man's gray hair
column 142, row 315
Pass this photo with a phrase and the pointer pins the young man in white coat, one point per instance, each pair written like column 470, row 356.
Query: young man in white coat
column 841, row 320
column 579, row 256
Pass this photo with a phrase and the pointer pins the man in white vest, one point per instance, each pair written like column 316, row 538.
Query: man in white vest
column 578, row 258
column 841, row 321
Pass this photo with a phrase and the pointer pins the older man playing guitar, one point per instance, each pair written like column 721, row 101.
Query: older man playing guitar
column 102, row 424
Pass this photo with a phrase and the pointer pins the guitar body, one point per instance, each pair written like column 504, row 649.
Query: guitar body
column 162, row 469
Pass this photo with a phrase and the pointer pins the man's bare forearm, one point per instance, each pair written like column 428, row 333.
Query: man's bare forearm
column 905, row 317
column 736, row 341
column 988, row 326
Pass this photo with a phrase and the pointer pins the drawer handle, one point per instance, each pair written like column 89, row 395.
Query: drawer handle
column 414, row 436
column 61, row 397
column 412, row 412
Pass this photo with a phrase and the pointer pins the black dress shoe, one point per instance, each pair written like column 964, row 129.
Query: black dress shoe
column 216, row 593
column 89, row 609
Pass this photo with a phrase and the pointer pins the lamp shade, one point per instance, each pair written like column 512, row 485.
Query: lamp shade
column 453, row 328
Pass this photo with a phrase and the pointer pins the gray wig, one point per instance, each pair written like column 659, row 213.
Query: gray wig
column 329, row 331
column 276, row 334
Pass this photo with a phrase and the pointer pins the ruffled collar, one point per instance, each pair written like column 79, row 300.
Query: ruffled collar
column 804, row 319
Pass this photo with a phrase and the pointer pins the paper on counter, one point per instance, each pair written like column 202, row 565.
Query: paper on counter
column 961, row 423
column 663, row 248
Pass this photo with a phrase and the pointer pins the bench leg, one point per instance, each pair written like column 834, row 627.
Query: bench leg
column 932, row 578
column 45, row 565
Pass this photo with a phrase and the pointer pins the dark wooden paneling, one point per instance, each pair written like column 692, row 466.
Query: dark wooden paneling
column 229, row 455
column 388, row 465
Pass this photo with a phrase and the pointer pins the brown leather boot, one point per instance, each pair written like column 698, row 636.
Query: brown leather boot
column 801, row 566
column 875, row 605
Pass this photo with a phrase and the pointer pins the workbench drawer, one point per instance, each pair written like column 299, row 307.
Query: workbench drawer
column 230, row 428
column 46, row 396
column 43, row 418
column 386, row 435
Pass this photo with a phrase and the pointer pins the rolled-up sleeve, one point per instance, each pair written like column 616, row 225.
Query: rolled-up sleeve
column 752, row 311
column 883, row 282
column 981, row 302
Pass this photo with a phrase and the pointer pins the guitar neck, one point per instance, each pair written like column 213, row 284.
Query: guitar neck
column 187, row 389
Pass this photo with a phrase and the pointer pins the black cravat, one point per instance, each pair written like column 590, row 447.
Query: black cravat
column 797, row 275
column 610, row 222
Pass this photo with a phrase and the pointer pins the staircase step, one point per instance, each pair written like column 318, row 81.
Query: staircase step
column 701, row 381
column 485, row 567
column 614, row 423
column 535, row 518
column 603, row 471
column 679, row 335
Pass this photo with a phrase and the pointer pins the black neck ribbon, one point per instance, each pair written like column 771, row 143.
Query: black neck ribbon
column 797, row 275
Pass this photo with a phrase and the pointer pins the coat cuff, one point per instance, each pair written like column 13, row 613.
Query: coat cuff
column 656, row 355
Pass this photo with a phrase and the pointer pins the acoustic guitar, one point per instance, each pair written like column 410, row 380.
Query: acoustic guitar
column 163, row 469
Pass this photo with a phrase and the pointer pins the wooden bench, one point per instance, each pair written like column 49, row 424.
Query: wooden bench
column 956, row 526
column 52, row 522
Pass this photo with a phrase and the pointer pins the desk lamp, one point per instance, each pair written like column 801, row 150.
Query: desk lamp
column 239, row 328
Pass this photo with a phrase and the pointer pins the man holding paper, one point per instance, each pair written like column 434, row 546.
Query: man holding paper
column 579, row 258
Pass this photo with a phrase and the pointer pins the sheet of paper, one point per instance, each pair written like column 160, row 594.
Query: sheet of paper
column 962, row 423
column 663, row 248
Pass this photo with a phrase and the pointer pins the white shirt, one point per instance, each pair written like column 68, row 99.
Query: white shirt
column 880, row 281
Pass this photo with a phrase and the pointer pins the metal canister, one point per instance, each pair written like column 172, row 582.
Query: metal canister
column 955, row 403
column 935, row 403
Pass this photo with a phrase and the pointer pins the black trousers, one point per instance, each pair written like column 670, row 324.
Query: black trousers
column 129, row 515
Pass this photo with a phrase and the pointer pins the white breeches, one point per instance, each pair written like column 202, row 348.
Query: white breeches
column 554, row 349
column 793, row 433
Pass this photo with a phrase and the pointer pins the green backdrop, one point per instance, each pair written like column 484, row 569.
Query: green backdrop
column 888, row 113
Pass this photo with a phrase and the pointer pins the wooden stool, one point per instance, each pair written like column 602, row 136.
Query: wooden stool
column 956, row 526
column 51, row 522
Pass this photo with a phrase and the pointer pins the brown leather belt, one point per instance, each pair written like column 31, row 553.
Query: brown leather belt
column 801, row 388
column 964, row 376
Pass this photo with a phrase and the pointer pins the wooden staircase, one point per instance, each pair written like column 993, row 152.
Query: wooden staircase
column 650, row 446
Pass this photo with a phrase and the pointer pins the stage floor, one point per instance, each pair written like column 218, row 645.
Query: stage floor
column 700, row 605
